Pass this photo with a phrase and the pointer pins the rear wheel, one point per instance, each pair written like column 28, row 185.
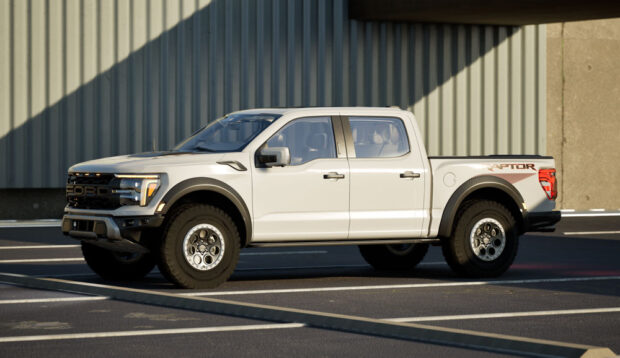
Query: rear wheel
column 200, row 247
column 394, row 257
column 113, row 265
column 484, row 241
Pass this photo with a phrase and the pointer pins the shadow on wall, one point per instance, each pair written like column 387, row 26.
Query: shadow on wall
column 232, row 55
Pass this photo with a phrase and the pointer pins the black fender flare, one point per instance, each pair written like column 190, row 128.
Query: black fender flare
column 208, row 184
column 470, row 186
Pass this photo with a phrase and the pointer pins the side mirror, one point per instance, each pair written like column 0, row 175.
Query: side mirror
column 274, row 157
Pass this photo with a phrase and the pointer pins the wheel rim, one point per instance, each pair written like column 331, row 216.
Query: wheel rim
column 487, row 239
column 203, row 247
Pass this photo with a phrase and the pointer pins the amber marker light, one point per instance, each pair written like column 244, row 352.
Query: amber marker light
column 149, row 187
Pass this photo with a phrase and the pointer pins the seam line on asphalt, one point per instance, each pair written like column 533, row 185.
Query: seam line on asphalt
column 360, row 325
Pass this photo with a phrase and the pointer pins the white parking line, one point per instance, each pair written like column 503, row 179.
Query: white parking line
column 413, row 285
column 84, row 275
column 324, row 267
column 22, row 261
column 53, row 300
column 18, row 261
column 374, row 287
column 282, row 253
column 29, row 223
column 506, row 315
column 592, row 232
column 292, row 325
column 38, row 247
column 156, row 273
column 589, row 214
column 297, row 267
column 149, row 332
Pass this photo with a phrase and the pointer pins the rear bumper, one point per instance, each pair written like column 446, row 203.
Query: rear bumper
column 116, row 234
column 542, row 221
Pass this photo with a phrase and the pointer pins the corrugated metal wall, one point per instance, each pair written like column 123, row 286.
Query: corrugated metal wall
column 81, row 79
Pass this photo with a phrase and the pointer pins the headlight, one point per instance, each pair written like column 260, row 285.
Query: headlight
column 137, row 188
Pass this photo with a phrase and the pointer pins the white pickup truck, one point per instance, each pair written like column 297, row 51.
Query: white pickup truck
column 300, row 177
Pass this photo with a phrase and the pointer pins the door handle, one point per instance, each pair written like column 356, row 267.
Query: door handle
column 333, row 175
column 409, row 175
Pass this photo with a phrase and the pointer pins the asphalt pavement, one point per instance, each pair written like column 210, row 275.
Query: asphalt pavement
column 563, row 286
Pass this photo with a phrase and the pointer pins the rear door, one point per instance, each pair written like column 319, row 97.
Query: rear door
column 387, row 178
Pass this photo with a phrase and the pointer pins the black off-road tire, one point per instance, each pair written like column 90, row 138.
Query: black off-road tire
column 117, row 266
column 173, row 263
column 458, row 250
column 394, row 257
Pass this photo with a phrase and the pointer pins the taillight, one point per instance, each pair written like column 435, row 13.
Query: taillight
column 547, row 180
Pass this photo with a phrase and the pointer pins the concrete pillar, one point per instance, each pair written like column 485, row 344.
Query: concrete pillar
column 583, row 111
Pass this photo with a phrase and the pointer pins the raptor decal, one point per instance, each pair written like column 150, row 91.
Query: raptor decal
column 512, row 166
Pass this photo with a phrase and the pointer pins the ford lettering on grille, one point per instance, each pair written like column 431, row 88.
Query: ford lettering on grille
column 86, row 190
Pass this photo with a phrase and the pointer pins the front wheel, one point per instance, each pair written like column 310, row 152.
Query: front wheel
column 113, row 265
column 200, row 247
column 393, row 257
column 484, row 241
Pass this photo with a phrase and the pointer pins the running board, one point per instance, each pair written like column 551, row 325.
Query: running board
column 344, row 242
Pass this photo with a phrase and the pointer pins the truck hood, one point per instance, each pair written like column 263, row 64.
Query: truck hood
column 150, row 162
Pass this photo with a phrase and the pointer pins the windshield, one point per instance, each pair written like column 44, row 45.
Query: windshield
column 228, row 134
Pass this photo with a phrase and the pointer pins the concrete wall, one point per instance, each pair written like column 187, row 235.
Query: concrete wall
column 583, row 111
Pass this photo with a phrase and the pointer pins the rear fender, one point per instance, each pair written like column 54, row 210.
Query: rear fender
column 469, row 189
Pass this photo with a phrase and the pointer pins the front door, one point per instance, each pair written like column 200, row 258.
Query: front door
column 308, row 199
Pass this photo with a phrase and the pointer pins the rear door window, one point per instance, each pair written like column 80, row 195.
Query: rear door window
column 379, row 137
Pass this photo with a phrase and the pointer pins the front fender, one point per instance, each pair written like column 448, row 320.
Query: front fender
column 208, row 184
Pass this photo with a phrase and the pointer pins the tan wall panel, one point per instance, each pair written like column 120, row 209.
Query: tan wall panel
column 20, row 141
column 461, row 114
column 489, row 91
column 502, row 115
column 5, row 69
column 6, row 88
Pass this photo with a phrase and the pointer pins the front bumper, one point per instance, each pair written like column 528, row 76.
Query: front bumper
column 112, row 233
column 542, row 221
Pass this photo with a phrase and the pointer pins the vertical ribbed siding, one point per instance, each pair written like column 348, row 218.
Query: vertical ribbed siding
column 82, row 79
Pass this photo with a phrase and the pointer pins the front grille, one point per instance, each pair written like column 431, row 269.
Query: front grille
column 92, row 191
